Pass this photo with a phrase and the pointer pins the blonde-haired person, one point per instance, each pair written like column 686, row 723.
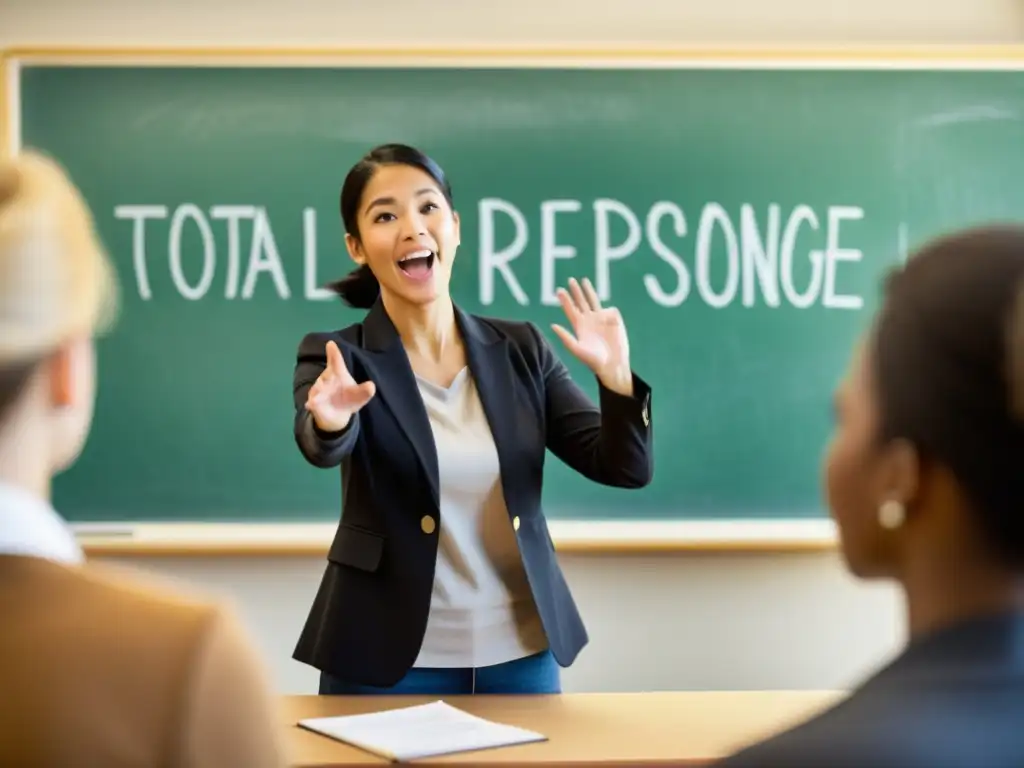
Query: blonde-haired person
column 95, row 670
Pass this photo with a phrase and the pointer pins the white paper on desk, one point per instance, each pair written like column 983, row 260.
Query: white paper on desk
column 424, row 730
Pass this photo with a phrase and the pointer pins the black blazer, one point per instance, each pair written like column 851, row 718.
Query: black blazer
column 369, row 616
column 954, row 699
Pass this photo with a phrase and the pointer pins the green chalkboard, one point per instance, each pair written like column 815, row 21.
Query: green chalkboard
column 740, row 218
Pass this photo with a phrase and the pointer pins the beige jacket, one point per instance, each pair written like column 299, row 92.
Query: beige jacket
column 96, row 671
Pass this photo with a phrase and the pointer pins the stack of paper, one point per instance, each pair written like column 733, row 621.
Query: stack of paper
column 425, row 730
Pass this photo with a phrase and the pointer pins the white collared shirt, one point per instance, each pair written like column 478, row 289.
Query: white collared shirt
column 30, row 527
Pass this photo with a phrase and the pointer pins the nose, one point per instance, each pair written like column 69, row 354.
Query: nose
column 414, row 227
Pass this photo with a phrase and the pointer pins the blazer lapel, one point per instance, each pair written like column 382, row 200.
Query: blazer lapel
column 396, row 386
column 491, row 366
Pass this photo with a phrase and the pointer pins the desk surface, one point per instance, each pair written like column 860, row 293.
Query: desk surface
column 609, row 730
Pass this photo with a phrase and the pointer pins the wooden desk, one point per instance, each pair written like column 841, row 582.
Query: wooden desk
column 605, row 730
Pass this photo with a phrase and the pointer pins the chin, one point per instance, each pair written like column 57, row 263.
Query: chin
column 863, row 567
column 417, row 295
column 66, row 460
column 425, row 297
column 68, row 447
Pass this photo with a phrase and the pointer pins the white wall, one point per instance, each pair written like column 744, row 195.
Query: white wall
column 657, row 622
column 424, row 22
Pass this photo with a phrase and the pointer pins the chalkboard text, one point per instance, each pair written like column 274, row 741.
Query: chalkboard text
column 760, row 256
column 778, row 257
column 243, row 272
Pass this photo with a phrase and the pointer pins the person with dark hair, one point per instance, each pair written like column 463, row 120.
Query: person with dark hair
column 925, row 480
column 442, row 577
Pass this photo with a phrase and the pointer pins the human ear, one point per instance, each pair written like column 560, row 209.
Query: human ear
column 355, row 249
column 900, row 477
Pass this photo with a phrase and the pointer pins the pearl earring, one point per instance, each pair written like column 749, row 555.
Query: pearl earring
column 891, row 515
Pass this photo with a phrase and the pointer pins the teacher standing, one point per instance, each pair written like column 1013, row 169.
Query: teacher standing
column 442, row 578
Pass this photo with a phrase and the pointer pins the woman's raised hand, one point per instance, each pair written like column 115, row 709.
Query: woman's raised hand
column 598, row 337
column 335, row 396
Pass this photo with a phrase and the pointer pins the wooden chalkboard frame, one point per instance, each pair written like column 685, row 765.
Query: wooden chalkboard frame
column 570, row 536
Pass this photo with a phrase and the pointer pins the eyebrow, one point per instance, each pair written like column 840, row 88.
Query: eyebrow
column 391, row 201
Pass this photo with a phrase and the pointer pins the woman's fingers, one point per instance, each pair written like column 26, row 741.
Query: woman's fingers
column 572, row 312
column 360, row 394
column 591, row 295
column 567, row 338
column 335, row 362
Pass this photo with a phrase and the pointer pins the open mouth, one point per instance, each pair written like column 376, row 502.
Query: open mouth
column 418, row 265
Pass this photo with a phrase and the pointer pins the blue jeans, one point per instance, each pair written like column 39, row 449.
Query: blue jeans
column 533, row 674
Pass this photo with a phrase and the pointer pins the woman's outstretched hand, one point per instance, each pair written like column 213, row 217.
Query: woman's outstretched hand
column 335, row 396
column 598, row 337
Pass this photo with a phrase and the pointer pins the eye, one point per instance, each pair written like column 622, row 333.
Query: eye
column 383, row 217
column 428, row 207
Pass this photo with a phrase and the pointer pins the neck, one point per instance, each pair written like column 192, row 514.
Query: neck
column 942, row 594
column 23, row 457
column 426, row 329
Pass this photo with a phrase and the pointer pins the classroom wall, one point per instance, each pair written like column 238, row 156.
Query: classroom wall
column 667, row 22
column 657, row 622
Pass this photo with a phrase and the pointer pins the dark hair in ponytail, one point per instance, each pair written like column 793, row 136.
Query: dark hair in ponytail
column 359, row 288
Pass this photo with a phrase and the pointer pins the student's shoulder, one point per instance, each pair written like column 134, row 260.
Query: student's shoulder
column 150, row 614
column 854, row 732
column 198, row 652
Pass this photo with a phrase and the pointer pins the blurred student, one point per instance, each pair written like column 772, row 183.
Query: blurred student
column 95, row 670
column 925, row 480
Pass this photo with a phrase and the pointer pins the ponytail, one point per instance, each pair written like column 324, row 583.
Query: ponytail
column 359, row 288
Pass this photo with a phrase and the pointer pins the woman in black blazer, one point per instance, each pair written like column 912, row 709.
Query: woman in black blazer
column 442, row 577
column 925, row 480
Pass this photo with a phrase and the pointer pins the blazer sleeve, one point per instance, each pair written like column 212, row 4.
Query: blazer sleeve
column 321, row 449
column 229, row 718
column 612, row 445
